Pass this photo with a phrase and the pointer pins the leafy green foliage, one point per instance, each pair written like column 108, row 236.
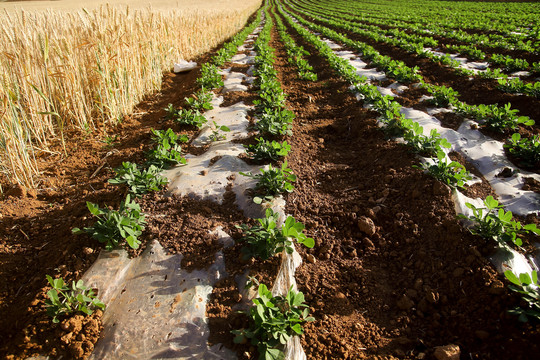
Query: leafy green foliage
column 526, row 285
column 451, row 173
column 139, row 181
column 111, row 140
column 442, row 95
column 217, row 132
column 275, row 121
column 200, row 101
column 265, row 240
column 190, row 117
column 185, row 116
column 500, row 119
column 494, row 117
column 231, row 47
column 492, row 222
column 210, row 77
column 64, row 300
column 171, row 112
column 266, row 150
column 509, row 63
column 113, row 226
column 274, row 320
column 295, row 53
column 167, row 150
column 424, row 144
column 515, row 85
column 527, row 150
column 272, row 182
column 470, row 52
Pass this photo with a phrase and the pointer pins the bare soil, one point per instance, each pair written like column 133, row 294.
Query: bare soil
column 393, row 273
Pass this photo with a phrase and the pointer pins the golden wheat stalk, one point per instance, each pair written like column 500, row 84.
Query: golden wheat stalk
column 79, row 69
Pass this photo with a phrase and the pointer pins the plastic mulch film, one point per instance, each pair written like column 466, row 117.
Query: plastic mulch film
column 155, row 309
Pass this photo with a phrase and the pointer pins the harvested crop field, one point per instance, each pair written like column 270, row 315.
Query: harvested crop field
column 326, row 168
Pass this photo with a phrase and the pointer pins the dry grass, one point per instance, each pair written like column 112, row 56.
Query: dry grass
column 65, row 68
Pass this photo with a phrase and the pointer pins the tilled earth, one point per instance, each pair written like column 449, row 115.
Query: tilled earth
column 393, row 274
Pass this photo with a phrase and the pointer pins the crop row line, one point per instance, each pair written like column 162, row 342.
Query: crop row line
column 414, row 44
column 519, row 35
column 502, row 228
column 113, row 227
column 492, row 117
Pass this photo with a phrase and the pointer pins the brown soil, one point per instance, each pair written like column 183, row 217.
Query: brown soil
column 408, row 279
column 393, row 273
column 35, row 231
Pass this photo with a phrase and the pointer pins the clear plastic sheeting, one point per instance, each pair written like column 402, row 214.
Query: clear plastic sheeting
column 155, row 309
column 234, row 82
column 509, row 259
column 488, row 156
column 234, row 117
column 183, row 65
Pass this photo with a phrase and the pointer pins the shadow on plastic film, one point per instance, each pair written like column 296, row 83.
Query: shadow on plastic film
column 158, row 307
column 184, row 346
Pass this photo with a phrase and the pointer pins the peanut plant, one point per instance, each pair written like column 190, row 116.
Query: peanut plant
column 64, row 300
column 265, row 240
column 139, row 181
column 274, row 320
column 272, row 182
column 114, row 226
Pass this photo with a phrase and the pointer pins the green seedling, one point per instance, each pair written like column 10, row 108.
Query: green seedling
column 274, row 320
column 201, row 100
column 171, row 112
column 272, row 182
column 210, row 77
column 217, row 132
column 167, row 150
column 265, row 240
column 138, row 181
column 265, row 150
column 113, row 226
column 111, row 141
column 527, row 150
column 492, row 222
column 64, row 300
column 527, row 286
column 191, row 117
column 451, row 173
column 420, row 143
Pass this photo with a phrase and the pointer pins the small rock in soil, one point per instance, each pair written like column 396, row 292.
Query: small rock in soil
column 447, row 352
column 404, row 303
column 366, row 225
column 368, row 243
column 17, row 191
column 310, row 258
column 441, row 189
column 506, row 173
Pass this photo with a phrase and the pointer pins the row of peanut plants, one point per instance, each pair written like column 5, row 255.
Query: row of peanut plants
column 493, row 117
column 117, row 228
column 415, row 44
column 427, row 25
column 273, row 319
column 514, row 29
column 491, row 222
